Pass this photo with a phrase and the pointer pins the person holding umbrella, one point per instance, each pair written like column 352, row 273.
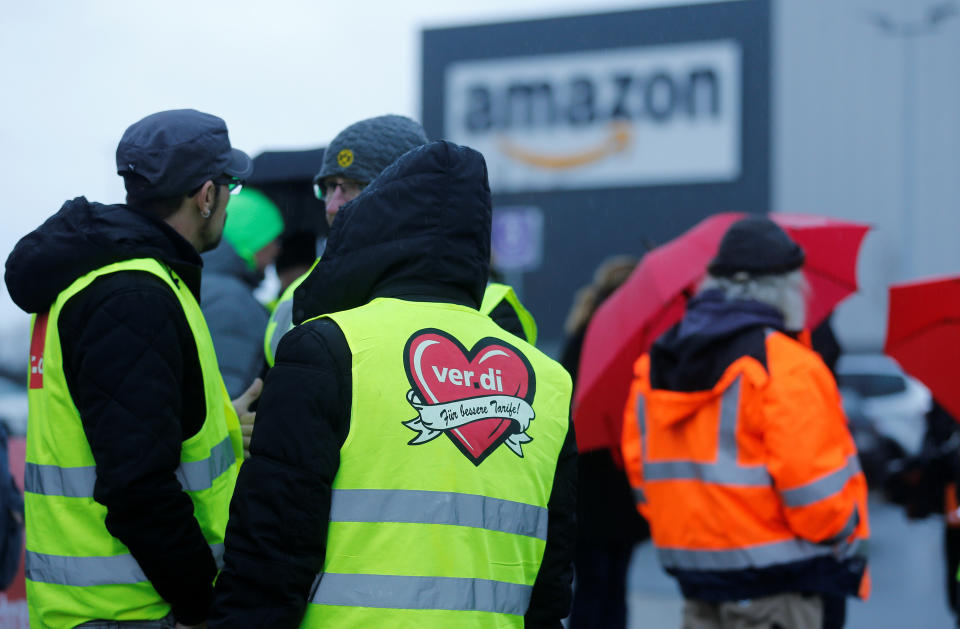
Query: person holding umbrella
column 922, row 337
column 608, row 525
column 738, row 452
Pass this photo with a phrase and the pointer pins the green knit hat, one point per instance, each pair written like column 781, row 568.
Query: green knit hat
column 253, row 222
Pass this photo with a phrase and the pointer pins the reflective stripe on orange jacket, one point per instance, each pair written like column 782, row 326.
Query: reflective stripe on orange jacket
column 758, row 473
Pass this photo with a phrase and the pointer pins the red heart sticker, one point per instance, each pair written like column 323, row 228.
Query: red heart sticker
column 480, row 398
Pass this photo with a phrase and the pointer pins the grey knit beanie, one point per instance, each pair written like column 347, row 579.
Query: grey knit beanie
column 362, row 150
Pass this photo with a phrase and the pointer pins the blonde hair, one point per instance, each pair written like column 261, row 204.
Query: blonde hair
column 611, row 273
column 786, row 292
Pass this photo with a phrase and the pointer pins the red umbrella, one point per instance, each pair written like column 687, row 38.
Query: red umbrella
column 923, row 335
column 654, row 297
column 832, row 247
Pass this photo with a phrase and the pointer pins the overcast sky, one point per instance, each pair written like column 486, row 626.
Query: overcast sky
column 284, row 75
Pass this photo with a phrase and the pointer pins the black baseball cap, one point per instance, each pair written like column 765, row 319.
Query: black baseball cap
column 174, row 152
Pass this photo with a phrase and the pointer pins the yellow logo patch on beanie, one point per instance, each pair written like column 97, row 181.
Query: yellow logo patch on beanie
column 345, row 158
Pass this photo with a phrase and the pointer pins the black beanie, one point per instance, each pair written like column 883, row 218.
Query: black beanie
column 756, row 246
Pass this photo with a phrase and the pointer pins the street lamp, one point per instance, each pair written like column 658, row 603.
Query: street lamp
column 908, row 32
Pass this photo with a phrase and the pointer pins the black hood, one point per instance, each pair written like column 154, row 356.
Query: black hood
column 421, row 229
column 85, row 236
column 714, row 332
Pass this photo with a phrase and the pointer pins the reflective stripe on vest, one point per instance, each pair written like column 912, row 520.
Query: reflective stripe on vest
column 759, row 556
column 822, row 488
column 726, row 470
column 438, row 507
column 78, row 482
column 404, row 592
column 281, row 322
column 89, row 571
column 847, row 529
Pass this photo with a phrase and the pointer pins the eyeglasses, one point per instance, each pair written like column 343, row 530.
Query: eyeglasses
column 234, row 184
column 349, row 188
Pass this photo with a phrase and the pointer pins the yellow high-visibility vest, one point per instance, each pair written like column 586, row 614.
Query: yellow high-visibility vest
column 497, row 293
column 439, row 507
column 76, row 570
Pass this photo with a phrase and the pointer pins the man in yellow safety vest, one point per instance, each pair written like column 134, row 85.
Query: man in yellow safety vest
column 414, row 464
column 133, row 445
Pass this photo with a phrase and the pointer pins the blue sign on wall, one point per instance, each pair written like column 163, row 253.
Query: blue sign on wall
column 516, row 241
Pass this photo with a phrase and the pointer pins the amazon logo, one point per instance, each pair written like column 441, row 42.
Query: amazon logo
column 630, row 116
column 614, row 101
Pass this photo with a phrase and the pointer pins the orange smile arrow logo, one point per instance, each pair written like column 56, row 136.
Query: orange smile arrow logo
column 621, row 136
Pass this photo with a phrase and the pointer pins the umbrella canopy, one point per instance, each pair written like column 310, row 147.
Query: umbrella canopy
column 832, row 247
column 654, row 298
column 923, row 335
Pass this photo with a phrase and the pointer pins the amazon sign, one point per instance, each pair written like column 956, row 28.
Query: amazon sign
column 634, row 116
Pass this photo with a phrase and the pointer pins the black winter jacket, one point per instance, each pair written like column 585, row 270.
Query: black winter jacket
column 420, row 231
column 132, row 368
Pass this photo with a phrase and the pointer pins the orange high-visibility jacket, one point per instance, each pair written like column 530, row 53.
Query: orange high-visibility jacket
column 758, row 474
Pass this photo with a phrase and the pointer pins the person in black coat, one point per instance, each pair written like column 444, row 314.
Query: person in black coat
column 129, row 357
column 608, row 525
column 926, row 485
column 390, row 244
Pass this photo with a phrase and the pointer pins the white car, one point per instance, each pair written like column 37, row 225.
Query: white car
column 886, row 408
